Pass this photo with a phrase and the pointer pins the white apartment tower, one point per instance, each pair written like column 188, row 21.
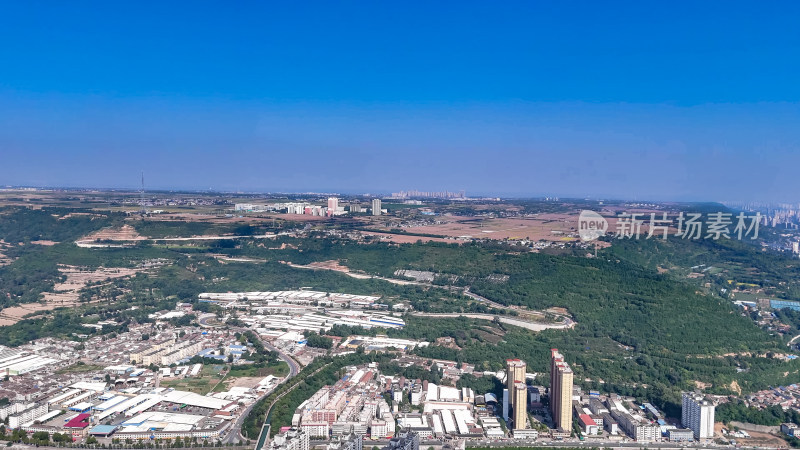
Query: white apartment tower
column 292, row 439
column 506, row 405
column 333, row 204
column 697, row 414
column 376, row 207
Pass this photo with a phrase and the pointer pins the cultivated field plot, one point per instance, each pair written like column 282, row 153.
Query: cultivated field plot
column 403, row 238
column 539, row 227
column 209, row 379
column 552, row 227
column 66, row 293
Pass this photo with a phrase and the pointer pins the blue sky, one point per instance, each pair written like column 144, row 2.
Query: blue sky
column 647, row 100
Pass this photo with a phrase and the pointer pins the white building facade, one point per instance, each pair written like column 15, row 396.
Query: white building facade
column 697, row 414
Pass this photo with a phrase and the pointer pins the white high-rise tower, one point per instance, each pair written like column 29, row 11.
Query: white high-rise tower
column 697, row 414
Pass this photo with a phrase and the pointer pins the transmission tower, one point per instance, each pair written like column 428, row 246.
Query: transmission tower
column 141, row 198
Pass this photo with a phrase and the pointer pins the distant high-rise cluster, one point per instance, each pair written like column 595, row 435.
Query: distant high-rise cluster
column 784, row 215
column 421, row 194
column 560, row 391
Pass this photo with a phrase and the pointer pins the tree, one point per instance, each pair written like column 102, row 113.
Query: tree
column 317, row 341
column 42, row 436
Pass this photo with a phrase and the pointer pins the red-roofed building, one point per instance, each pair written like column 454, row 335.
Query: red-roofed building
column 78, row 425
column 367, row 378
column 588, row 424
column 79, row 421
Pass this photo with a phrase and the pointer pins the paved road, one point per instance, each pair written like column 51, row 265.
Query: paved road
column 533, row 326
column 600, row 444
column 93, row 244
column 272, row 405
column 506, row 443
column 369, row 443
column 294, row 367
column 234, row 433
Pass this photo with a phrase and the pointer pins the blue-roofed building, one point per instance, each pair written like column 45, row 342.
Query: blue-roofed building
column 103, row 430
column 784, row 304
column 237, row 349
column 209, row 353
column 652, row 410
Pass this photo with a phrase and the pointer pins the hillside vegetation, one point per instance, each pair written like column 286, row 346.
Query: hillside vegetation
column 638, row 331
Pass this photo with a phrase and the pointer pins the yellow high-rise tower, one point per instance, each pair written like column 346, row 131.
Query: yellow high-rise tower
column 520, row 405
column 560, row 391
column 515, row 371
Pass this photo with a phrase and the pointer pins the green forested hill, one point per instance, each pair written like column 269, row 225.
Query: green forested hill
column 744, row 262
column 621, row 300
column 678, row 334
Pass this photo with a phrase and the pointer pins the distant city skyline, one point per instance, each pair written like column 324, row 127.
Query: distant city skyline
column 680, row 101
column 736, row 204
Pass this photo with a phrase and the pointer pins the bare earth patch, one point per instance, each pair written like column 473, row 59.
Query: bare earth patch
column 536, row 227
column 249, row 382
column 123, row 233
column 46, row 243
column 701, row 385
column 4, row 260
column 330, row 265
column 757, row 438
column 550, row 227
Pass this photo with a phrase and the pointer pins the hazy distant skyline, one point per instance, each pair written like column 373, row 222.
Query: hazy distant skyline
column 677, row 101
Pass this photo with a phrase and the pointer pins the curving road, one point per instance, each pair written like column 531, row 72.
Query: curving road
column 235, row 431
column 84, row 243
column 533, row 326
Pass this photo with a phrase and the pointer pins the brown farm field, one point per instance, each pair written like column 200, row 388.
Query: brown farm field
column 552, row 227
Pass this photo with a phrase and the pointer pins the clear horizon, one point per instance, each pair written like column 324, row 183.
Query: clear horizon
column 366, row 193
